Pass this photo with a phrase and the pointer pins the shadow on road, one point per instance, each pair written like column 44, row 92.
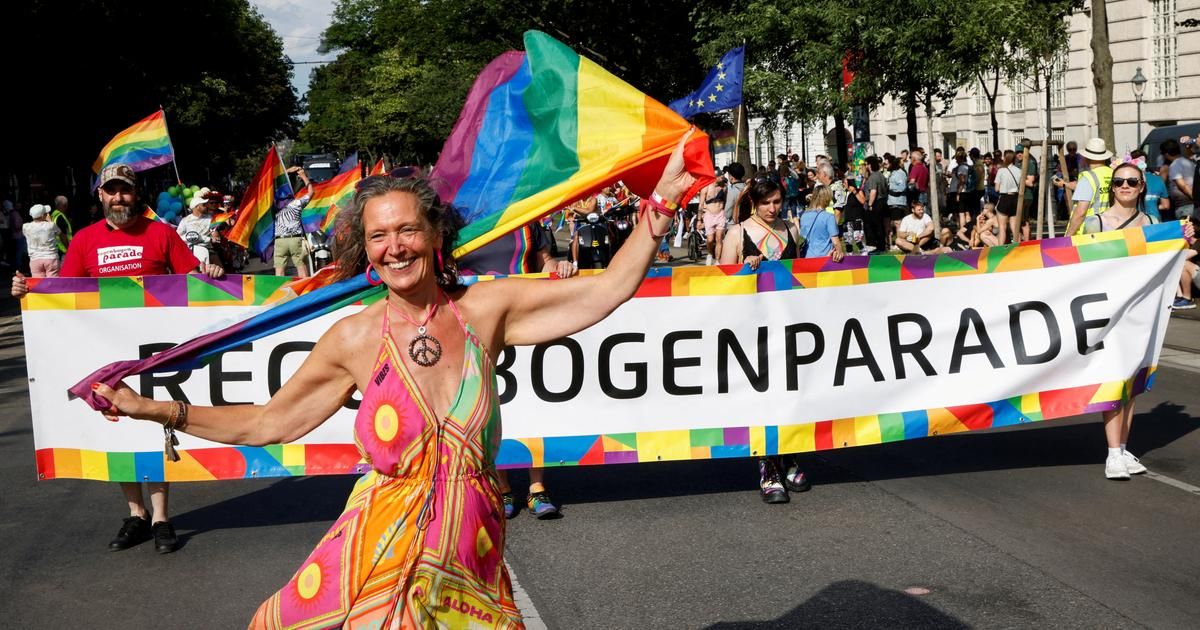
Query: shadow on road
column 288, row 501
column 855, row 604
column 1031, row 446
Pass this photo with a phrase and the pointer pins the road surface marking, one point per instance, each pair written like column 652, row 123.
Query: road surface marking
column 533, row 621
column 1182, row 485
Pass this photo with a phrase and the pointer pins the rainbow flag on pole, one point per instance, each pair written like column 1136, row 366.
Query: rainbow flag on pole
column 544, row 127
column 142, row 146
column 255, row 228
column 327, row 195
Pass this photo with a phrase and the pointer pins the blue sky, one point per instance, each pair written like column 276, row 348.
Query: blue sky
column 300, row 24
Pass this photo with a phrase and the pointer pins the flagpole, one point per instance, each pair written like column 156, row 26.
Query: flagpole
column 741, row 119
column 174, row 162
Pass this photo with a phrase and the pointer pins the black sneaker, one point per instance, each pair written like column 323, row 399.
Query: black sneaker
column 165, row 540
column 770, row 487
column 135, row 530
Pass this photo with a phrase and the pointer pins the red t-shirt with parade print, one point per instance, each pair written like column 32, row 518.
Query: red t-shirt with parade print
column 144, row 248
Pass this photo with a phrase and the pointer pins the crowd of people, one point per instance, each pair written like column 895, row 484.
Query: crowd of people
column 985, row 199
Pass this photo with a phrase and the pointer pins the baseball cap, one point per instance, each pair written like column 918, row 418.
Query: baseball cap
column 39, row 210
column 120, row 172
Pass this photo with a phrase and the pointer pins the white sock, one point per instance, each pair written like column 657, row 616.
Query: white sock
column 1114, row 452
column 1122, row 447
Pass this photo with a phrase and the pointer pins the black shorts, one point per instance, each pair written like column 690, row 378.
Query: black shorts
column 1007, row 205
column 897, row 213
column 954, row 203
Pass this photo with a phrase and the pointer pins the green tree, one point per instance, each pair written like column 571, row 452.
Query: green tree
column 88, row 72
column 404, row 66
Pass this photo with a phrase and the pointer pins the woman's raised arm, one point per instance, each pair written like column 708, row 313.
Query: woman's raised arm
column 534, row 311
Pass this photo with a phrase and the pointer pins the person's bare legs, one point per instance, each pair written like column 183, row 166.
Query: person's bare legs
column 1002, row 223
column 301, row 270
column 1014, row 229
column 537, row 480
column 133, row 496
column 158, row 500
column 905, row 246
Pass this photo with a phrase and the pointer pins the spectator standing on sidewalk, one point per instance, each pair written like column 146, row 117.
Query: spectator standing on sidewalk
column 1092, row 194
column 1180, row 178
column 59, row 215
column 133, row 246
column 876, row 191
column 41, row 236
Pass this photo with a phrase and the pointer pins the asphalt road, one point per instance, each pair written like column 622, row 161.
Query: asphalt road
column 1012, row 528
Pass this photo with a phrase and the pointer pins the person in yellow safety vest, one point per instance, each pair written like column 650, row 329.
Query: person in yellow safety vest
column 1091, row 191
column 58, row 217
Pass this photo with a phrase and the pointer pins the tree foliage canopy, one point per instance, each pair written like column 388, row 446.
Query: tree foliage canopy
column 88, row 71
column 405, row 66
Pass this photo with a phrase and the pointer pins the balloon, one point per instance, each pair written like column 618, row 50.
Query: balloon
column 176, row 207
column 173, row 191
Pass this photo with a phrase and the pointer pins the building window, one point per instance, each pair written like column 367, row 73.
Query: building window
column 1016, row 95
column 1016, row 134
column 895, row 108
column 1164, row 81
column 980, row 101
column 983, row 140
column 1058, row 81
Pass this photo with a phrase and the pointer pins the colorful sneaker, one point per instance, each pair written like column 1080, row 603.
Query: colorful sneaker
column 541, row 506
column 795, row 480
column 1182, row 304
column 1133, row 464
column 510, row 506
column 1115, row 468
column 770, row 486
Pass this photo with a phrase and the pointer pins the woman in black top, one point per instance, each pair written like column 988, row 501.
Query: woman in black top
column 764, row 235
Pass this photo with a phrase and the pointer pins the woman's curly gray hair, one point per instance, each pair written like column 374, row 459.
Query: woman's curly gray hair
column 349, row 236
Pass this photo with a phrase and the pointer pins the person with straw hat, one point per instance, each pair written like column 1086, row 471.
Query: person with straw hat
column 1091, row 190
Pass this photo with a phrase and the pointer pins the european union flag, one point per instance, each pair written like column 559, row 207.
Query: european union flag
column 722, row 88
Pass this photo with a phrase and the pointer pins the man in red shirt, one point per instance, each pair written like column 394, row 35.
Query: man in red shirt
column 126, row 243
column 918, row 175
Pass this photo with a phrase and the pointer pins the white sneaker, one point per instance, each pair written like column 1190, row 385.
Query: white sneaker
column 708, row 261
column 1115, row 468
column 1133, row 464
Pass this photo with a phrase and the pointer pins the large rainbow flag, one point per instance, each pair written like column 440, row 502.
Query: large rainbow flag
column 142, row 146
column 326, row 195
column 255, row 228
column 539, row 130
column 544, row 127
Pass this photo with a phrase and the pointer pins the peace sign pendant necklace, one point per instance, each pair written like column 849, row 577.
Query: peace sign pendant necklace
column 424, row 349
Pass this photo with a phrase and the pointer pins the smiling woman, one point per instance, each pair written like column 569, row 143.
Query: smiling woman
column 421, row 541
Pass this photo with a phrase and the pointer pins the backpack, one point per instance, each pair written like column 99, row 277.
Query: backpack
column 793, row 186
column 972, row 178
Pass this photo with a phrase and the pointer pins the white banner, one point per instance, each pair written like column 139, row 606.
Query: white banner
column 681, row 376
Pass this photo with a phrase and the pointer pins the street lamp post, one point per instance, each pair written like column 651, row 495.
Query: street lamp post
column 1139, row 87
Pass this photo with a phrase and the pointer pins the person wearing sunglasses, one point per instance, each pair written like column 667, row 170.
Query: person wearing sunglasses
column 1128, row 188
column 421, row 541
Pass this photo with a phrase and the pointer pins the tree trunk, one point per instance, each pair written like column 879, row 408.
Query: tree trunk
column 934, row 175
column 910, row 106
column 1102, row 73
column 839, row 134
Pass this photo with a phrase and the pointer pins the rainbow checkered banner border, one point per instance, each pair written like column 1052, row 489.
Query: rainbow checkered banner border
column 705, row 362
